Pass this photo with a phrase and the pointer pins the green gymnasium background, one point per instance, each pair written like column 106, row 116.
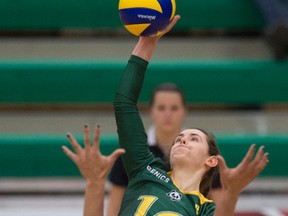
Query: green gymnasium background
column 30, row 83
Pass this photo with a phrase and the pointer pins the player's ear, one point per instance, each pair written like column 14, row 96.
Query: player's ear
column 212, row 161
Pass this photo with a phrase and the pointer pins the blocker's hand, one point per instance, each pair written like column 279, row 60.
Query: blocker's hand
column 91, row 163
column 236, row 179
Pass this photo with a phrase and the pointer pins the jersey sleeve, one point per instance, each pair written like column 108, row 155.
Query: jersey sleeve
column 130, row 128
column 208, row 209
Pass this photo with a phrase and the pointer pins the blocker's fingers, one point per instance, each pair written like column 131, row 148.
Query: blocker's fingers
column 69, row 153
column 259, row 156
column 74, row 143
column 87, row 137
column 249, row 156
column 116, row 154
column 222, row 164
column 97, row 137
column 262, row 163
column 266, row 155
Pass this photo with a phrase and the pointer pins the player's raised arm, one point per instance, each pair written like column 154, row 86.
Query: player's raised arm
column 131, row 132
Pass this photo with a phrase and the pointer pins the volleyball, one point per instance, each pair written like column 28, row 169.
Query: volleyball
column 146, row 17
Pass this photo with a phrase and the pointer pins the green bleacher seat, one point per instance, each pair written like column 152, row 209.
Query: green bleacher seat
column 54, row 15
column 41, row 155
column 232, row 82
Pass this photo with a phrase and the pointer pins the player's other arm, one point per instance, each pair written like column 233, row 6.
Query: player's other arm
column 235, row 180
column 94, row 167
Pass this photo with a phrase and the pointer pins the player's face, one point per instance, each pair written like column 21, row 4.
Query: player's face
column 190, row 146
column 168, row 111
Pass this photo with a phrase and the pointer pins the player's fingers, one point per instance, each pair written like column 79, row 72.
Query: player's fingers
column 248, row 157
column 172, row 23
column 74, row 143
column 116, row 154
column 87, row 137
column 96, row 137
column 69, row 153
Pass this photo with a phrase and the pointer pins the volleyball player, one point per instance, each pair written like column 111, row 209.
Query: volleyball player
column 167, row 110
column 194, row 155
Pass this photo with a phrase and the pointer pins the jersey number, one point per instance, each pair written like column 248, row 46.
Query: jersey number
column 145, row 205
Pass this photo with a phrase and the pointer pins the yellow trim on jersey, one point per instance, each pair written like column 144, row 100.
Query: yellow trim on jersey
column 201, row 197
column 197, row 193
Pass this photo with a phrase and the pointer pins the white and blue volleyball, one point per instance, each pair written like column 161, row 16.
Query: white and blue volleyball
column 146, row 17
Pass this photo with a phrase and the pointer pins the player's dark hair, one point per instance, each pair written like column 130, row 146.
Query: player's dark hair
column 167, row 87
column 211, row 174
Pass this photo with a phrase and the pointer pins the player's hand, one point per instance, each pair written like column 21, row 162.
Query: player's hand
column 146, row 45
column 91, row 163
column 170, row 26
column 236, row 179
column 165, row 31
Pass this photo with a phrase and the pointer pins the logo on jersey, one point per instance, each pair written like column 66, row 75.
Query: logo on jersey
column 174, row 195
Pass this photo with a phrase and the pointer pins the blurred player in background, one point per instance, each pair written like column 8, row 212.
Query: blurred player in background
column 275, row 13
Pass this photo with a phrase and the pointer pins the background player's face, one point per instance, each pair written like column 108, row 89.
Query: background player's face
column 190, row 147
column 168, row 111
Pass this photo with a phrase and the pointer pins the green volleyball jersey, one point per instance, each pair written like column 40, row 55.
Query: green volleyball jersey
column 150, row 191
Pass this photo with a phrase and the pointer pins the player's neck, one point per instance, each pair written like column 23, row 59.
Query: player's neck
column 187, row 180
